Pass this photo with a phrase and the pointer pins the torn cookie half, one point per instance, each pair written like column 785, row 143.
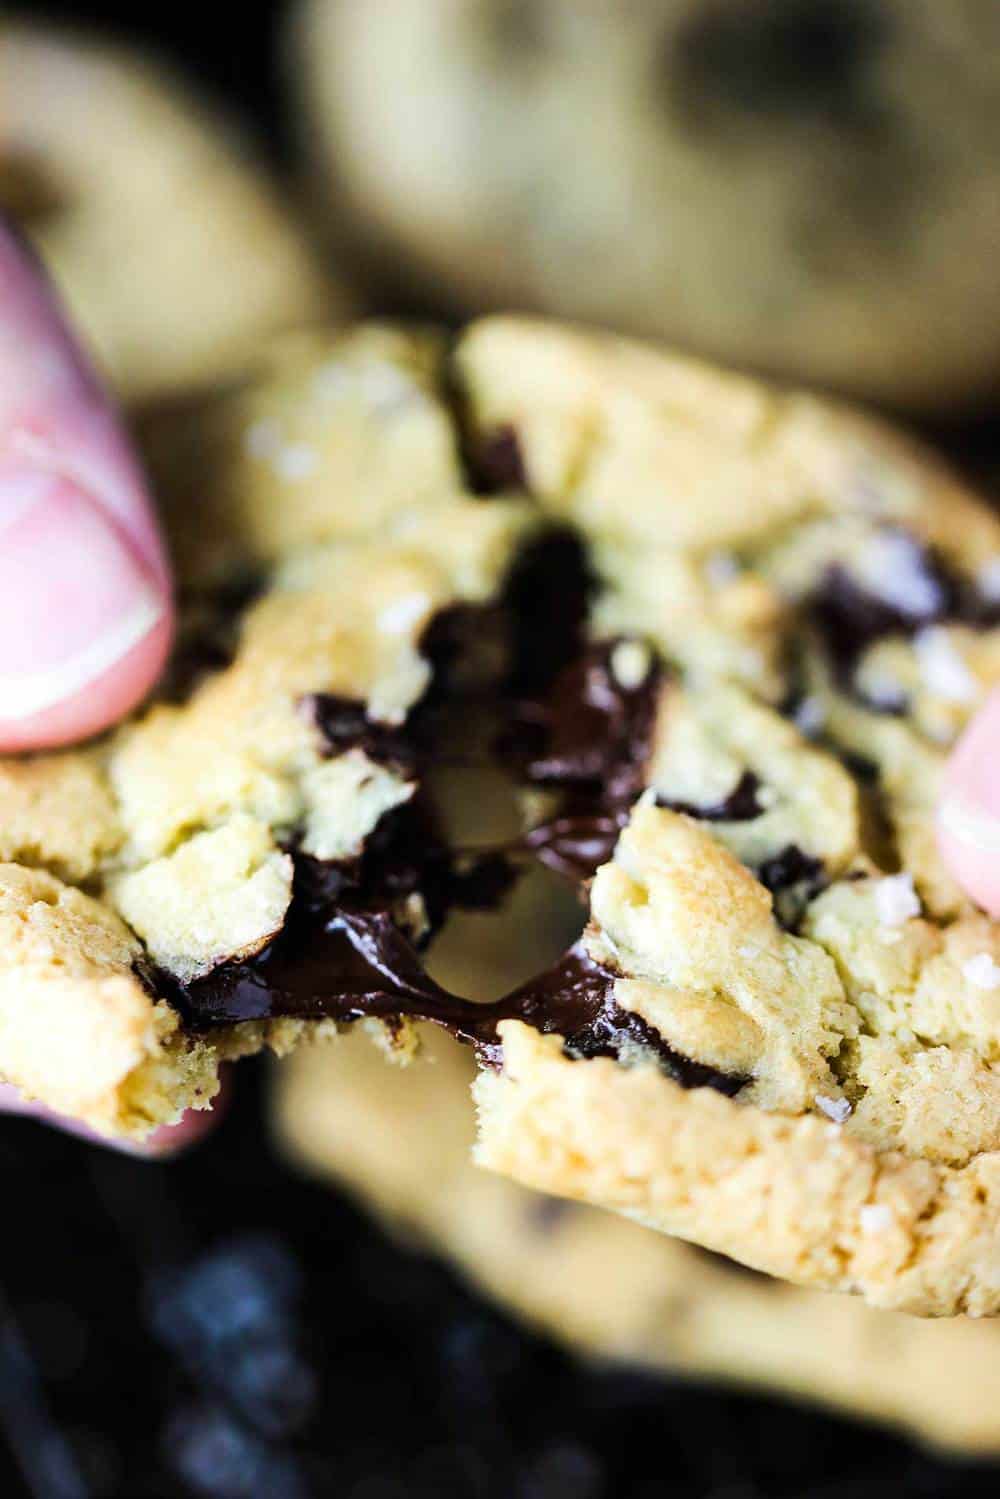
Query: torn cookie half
column 327, row 604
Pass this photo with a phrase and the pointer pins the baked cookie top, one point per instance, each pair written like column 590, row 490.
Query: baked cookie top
column 776, row 1035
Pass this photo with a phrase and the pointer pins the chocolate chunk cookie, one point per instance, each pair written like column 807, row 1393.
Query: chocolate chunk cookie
column 670, row 589
column 805, row 187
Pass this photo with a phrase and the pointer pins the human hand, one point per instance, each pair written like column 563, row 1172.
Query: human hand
column 85, row 610
column 969, row 815
column 85, row 607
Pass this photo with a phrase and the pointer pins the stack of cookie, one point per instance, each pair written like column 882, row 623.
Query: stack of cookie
column 554, row 714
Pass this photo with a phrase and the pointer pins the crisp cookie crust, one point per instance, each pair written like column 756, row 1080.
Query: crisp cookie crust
column 609, row 1288
column 179, row 826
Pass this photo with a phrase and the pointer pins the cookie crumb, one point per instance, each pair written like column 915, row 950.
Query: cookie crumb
column 982, row 971
column 875, row 1218
column 896, row 900
column 837, row 1109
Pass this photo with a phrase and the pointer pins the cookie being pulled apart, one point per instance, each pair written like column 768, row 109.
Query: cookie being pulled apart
column 682, row 594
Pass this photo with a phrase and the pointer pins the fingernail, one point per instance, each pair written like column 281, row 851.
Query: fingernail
column 74, row 596
column 969, row 814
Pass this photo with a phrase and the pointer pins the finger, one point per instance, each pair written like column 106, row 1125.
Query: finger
column 969, row 815
column 169, row 1140
column 85, row 613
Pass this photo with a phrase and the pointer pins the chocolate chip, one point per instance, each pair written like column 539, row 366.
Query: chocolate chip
column 741, row 805
column 789, row 867
column 345, row 725
column 496, row 462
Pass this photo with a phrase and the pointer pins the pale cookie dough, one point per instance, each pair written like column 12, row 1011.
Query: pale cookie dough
column 170, row 246
column 809, row 189
column 138, row 864
column 610, row 1289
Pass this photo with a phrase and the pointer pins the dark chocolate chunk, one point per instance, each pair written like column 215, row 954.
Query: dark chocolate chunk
column 850, row 617
column 575, row 999
column 589, row 734
column 591, row 738
column 790, row 867
column 547, row 597
column 346, row 962
column 496, row 462
column 741, row 805
column 344, row 725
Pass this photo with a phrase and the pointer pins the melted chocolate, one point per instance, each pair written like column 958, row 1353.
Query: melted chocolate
column 790, row 867
column 346, row 963
column 576, row 844
column 741, row 805
column 345, row 725
column 591, row 738
column 496, row 462
column 590, row 733
column 547, row 596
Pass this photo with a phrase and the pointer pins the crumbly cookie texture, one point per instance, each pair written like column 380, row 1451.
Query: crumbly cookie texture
column 106, row 159
column 763, row 536
column 860, row 1148
column 177, row 824
column 609, row 1288
column 776, row 910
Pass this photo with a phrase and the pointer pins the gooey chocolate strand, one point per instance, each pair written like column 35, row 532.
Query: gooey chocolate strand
column 346, row 963
column 590, row 738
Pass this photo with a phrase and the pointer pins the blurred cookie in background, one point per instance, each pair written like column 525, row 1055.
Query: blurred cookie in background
column 400, row 1140
column 172, row 249
column 806, row 187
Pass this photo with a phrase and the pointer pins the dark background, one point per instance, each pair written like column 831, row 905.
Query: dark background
column 220, row 1327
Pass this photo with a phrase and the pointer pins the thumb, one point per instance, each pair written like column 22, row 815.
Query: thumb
column 85, row 612
column 969, row 815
